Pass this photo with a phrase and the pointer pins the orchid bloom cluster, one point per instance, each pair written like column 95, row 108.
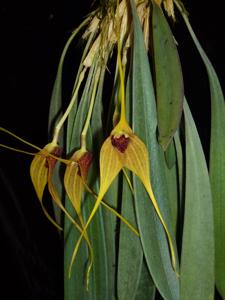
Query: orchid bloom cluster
column 121, row 150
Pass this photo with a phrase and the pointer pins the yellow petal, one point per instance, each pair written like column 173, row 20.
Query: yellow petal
column 74, row 185
column 39, row 170
column 112, row 210
column 136, row 160
column 110, row 166
column 39, row 173
column 75, row 178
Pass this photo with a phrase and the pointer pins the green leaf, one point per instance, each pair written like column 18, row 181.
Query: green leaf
column 169, row 79
column 170, row 155
column 217, row 162
column 110, row 220
column 76, row 120
column 110, row 226
column 130, row 255
column 55, row 112
column 153, row 238
column 146, row 287
column 172, row 187
column 98, row 289
column 100, row 275
column 75, row 287
column 180, row 169
column 197, row 258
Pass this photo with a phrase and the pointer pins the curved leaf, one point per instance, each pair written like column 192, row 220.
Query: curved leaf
column 217, row 162
column 169, row 79
column 146, row 287
column 153, row 238
column 75, row 287
column 197, row 258
column 130, row 255
column 55, row 112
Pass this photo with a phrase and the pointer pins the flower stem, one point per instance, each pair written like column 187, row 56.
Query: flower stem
column 90, row 110
column 122, row 88
column 70, row 106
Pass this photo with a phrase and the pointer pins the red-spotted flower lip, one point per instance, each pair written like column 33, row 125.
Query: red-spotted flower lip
column 51, row 161
column 120, row 143
column 84, row 163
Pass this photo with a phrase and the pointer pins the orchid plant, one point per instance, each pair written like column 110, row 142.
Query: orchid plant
column 139, row 210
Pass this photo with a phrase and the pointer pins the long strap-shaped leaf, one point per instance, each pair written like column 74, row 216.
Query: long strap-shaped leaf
column 217, row 161
column 153, row 239
column 169, row 79
column 130, row 254
column 74, row 286
column 99, row 285
column 197, row 258
column 130, row 251
column 55, row 112
column 146, row 288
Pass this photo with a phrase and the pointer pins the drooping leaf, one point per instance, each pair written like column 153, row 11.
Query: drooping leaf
column 180, row 168
column 98, row 276
column 75, row 285
column 172, row 187
column 217, row 161
column 146, row 288
column 130, row 253
column 76, row 119
column 99, row 283
column 153, row 238
column 55, row 112
column 109, row 219
column 197, row 257
column 170, row 155
column 168, row 77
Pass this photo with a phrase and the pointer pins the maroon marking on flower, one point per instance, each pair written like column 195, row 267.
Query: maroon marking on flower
column 84, row 164
column 120, row 143
column 51, row 161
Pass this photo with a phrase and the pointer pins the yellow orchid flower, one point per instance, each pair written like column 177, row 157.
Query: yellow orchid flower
column 75, row 174
column 41, row 171
column 123, row 149
column 75, row 183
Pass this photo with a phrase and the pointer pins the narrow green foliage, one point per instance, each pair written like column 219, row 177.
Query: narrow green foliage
column 75, row 286
column 217, row 163
column 180, row 169
column 168, row 77
column 153, row 239
column 197, row 258
column 146, row 288
column 130, row 255
column 170, row 155
column 55, row 112
column 172, row 187
column 98, row 289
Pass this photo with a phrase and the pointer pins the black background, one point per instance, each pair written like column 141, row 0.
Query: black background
column 32, row 36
